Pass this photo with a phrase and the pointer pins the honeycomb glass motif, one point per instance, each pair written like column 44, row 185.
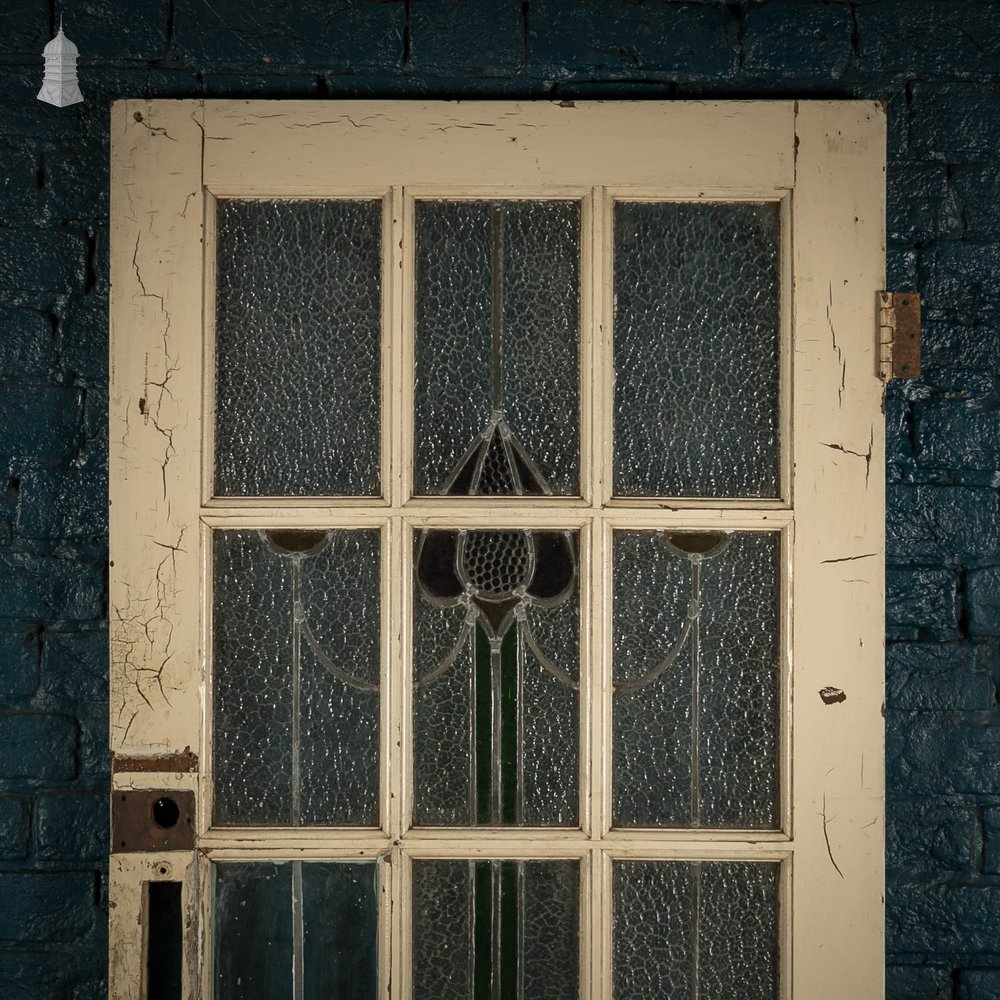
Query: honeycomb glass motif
column 497, row 562
column 701, row 930
column 297, row 327
column 497, row 331
column 296, row 677
column 696, row 347
column 510, row 924
column 696, row 745
column 270, row 917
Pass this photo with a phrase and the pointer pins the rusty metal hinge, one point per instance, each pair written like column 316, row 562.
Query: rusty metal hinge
column 899, row 335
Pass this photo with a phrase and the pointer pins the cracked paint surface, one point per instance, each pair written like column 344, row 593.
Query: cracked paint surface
column 154, row 700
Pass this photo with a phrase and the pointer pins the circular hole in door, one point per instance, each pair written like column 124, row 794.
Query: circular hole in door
column 166, row 813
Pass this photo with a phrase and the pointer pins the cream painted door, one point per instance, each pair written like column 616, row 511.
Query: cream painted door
column 496, row 581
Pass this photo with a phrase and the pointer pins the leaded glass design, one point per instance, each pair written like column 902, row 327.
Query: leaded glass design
column 497, row 348
column 696, row 679
column 696, row 348
column 296, row 677
column 297, row 327
column 496, row 929
column 295, row 929
column 695, row 930
column 495, row 701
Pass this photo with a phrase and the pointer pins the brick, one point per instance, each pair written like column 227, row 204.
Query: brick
column 344, row 35
column 256, row 85
column 968, row 385
column 957, row 435
column 35, row 745
column 954, row 525
column 957, row 121
column 99, row 274
column 30, row 119
column 918, row 982
column 76, row 184
column 677, row 41
column 443, row 42
column 941, row 755
column 983, row 598
column 39, row 975
column 94, row 454
column 90, row 989
column 47, row 589
column 942, row 919
column 977, row 189
column 18, row 189
column 898, row 415
column 946, row 343
column 901, row 267
column 41, row 259
column 120, row 29
column 978, row 984
column 921, row 603
column 923, row 38
column 780, row 42
column 64, row 503
column 918, row 203
column 26, row 27
column 71, row 826
column 961, row 280
column 28, row 344
column 45, row 907
column 75, row 666
column 19, row 658
column 40, row 422
column 83, row 341
column 95, row 767
column 13, row 827
column 991, row 832
column 937, row 677
column 930, row 838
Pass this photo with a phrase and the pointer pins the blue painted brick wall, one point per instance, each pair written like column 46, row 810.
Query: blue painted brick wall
column 936, row 64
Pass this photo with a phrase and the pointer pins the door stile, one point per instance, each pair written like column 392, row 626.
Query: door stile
column 839, row 544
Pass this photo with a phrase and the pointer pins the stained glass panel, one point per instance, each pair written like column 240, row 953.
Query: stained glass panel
column 695, row 930
column 696, row 346
column 496, row 661
column 311, row 923
column 297, row 328
column 497, row 347
column 503, row 929
column 696, row 673
column 296, row 677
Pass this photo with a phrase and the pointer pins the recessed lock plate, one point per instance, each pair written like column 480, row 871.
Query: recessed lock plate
column 152, row 820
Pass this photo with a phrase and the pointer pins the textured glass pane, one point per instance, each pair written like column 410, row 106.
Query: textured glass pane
column 696, row 679
column 497, row 347
column 696, row 339
column 296, row 703
column 496, row 928
column 314, row 922
column 298, row 320
column 695, row 930
column 496, row 660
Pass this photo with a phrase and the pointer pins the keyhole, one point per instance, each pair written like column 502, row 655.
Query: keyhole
column 165, row 813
